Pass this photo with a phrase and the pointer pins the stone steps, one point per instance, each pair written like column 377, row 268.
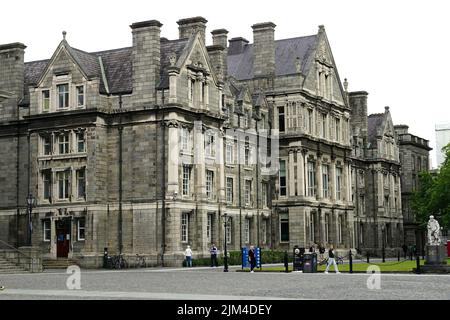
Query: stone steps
column 9, row 267
column 58, row 263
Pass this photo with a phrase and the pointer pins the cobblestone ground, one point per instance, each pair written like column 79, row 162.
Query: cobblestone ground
column 213, row 283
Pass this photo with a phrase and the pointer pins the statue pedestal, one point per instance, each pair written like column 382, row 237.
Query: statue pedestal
column 435, row 260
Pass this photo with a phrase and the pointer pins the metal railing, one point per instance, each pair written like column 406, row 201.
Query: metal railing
column 17, row 256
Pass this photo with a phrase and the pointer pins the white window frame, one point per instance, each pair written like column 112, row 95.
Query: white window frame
column 65, row 145
column 186, row 180
column 67, row 175
column 44, row 144
column 46, row 228
column 209, row 184
column 311, row 171
column 210, row 149
column 66, row 96
column 49, row 185
column 325, row 180
column 229, row 191
column 79, row 228
column 184, row 227
column 248, row 192
column 83, row 170
column 83, row 134
column 247, row 230
column 83, row 87
column 338, row 183
column 45, row 99
column 229, row 151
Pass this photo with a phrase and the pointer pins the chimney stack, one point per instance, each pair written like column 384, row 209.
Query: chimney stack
column 189, row 26
column 264, row 49
column 12, row 73
column 220, row 39
column 146, row 61
column 237, row 45
column 358, row 105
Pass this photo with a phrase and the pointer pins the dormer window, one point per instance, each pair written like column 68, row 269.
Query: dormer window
column 80, row 96
column 63, row 96
column 45, row 100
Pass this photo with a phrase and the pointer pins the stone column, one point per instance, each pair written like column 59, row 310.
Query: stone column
column 173, row 77
column 291, row 174
column 173, row 159
column 300, row 173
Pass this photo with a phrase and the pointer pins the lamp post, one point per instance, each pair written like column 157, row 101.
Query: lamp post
column 31, row 202
column 225, row 259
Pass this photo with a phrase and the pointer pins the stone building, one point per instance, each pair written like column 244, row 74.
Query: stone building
column 414, row 157
column 146, row 149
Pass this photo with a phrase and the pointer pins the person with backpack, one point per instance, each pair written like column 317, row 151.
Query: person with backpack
column 331, row 260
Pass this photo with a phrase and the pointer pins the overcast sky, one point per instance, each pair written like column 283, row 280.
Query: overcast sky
column 396, row 50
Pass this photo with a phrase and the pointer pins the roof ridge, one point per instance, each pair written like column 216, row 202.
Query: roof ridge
column 35, row 61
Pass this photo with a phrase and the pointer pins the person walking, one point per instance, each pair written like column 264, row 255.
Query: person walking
column 213, row 252
column 321, row 251
column 188, row 256
column 331, row 260
column 252, row 258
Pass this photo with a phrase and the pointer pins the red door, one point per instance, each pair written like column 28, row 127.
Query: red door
column 62, row 238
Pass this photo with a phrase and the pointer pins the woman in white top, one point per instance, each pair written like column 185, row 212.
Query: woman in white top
column 188, row 256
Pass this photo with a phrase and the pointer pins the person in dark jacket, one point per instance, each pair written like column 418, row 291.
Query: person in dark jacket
column 213, row 252
column 252, row 258
column 331, row 260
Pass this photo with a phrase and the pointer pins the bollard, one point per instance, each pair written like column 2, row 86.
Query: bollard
column 417, row 264
column 286, row 262
column 398, row 255
column 350, row 261
column 368, row 260
column 383, row 254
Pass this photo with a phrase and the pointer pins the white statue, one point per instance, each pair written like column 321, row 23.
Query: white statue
column 433, row 232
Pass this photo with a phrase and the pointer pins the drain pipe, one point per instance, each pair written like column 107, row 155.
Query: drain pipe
column 163, row 222
column 120, row 222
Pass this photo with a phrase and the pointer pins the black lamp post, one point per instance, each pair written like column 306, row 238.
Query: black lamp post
column 31, row 202
column 225, row 259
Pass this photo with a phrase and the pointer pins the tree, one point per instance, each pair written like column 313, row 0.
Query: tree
column 433, row 195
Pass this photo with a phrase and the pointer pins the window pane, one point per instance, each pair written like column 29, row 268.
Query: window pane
column 80, row 94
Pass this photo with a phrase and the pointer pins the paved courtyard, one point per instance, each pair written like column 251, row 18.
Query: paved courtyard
column 213, row 283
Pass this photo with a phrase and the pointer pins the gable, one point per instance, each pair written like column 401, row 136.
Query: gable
column 196, row 56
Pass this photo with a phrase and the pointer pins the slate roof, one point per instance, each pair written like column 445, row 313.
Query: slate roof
column 240, row 66
column 116, row 63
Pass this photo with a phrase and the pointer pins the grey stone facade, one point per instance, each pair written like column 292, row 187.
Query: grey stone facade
column 133, row 149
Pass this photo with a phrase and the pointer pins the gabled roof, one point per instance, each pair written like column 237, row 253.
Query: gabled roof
column 116, row 63
column 240, row 66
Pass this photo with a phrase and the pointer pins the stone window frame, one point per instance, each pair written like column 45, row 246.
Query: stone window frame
column 50, row 186
column 311, row 190
column 77, row 138
column 79, row 228
column 210, row 226
column 248, row 193
column 189, row 167
column 184, row 227
column 264, row 194
column 69, row 187
column 283, row 220
column 44, row 99
column 45, row 230
column 65, row 94
column 77, row 171
column 212, row 184
column 247, row 223
column 286, row 174
column 326, row 163
column 68, row 142
column 77, row 96
column 339, row 168
column 233, row 188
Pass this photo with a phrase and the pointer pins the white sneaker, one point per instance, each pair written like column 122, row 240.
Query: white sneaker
column 252, row 271
column 337, row 272
column 326, row 272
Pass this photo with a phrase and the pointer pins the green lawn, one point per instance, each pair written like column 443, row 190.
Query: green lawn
column 390, row 266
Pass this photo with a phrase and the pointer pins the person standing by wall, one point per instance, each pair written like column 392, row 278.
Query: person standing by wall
column 331, row 260
column 252, row 258
column 213, row 252
column 188, row 256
